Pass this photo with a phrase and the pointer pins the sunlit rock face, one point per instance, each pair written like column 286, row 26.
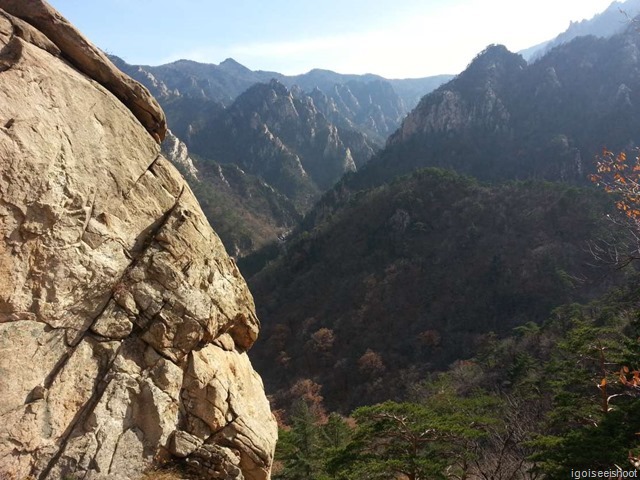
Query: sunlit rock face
column 124, row 325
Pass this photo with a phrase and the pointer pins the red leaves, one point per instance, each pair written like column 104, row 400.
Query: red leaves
column 616, row 174
column 629, row 378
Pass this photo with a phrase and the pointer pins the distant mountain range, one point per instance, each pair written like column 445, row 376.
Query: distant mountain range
column 505, row 119
column 613, row 20
column 224, row 82
column 297, row 135
column 411, row 266
column 367, row 103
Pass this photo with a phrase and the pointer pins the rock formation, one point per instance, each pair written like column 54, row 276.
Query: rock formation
column 278, row 135
column 124, row 325
column 177, row 152
column 75, row 48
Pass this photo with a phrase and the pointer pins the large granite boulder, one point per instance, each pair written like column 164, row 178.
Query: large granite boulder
column 124, row 325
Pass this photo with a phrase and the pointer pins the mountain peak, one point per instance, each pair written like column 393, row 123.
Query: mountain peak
column 491, row 68
column 495, row 54
column 230, row 65
column 273, row 85
column 609, row 22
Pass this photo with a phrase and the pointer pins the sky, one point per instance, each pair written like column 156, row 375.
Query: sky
column 392, row 38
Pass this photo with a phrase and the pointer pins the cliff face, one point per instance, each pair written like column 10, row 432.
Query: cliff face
column 503, row 119
column 474, row 100
column 373, row 108
column 278, row 135
column 124, row 325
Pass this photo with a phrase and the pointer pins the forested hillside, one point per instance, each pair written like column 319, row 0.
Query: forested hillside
column 494, row 307
column 544, row 402
column 502, row 119
column 406, row 278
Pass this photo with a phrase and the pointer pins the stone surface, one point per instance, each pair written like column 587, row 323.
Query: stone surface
column 88, row 59
column 122, row 319
column 176, row 150
column 215, row 387
column 184, row 444
column 217, row 462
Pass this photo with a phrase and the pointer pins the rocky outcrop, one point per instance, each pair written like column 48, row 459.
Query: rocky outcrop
column 280, row 136
column 371, row 107
column 478, row 99
column 177, row 152
column 75, row 48
column 124, row 325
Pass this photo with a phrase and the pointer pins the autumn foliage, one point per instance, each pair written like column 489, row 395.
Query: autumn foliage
column 629, row 378
column 617, row 174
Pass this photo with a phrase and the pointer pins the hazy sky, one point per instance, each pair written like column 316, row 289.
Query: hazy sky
column 393, row 38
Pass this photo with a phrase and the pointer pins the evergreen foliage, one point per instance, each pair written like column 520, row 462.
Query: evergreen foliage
column 527, row 406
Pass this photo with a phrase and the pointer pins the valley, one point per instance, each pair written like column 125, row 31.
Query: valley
column 297, row 134
column 211, row 271
column 444, row 242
